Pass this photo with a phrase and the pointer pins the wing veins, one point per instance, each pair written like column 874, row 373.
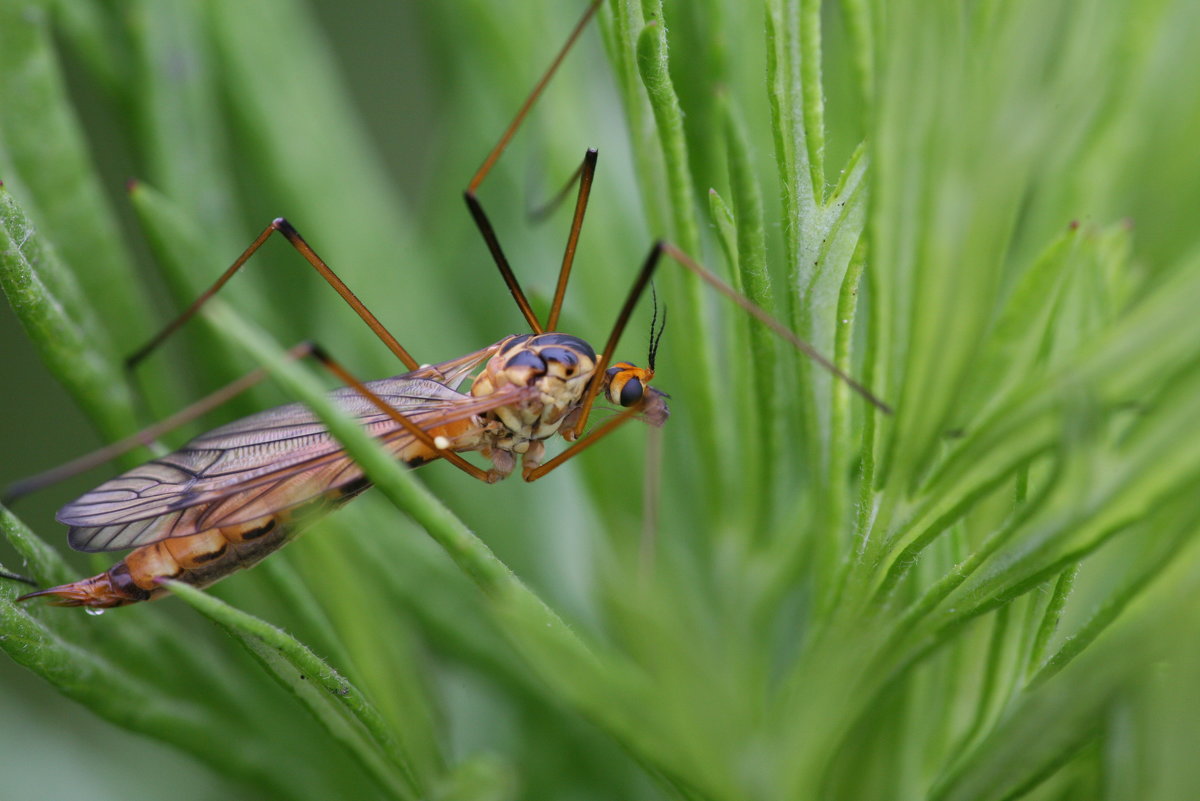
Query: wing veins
column 266, row 483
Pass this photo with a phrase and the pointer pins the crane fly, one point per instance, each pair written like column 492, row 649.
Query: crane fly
column 233, row 495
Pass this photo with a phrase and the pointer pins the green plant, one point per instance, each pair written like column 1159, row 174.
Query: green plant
column 983, row 211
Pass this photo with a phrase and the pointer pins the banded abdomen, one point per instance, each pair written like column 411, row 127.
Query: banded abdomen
column 197, row 559
column 190, row 517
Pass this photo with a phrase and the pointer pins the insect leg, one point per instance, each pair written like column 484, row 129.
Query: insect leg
column 779, row 328
column 639, row 286
column 17, row 577
column 510, row 279
column 589, row 396
column 537, row 214
column 486, row 476
column 592, row 437
column 585, row 172
column 292, row 235
column 651, row 495
column 144, row 437
column 473, row 204
column 148, row 435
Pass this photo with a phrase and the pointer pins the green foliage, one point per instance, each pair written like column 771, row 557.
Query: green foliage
column 982, row 211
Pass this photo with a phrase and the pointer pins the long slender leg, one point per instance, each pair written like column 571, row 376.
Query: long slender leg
column 537, row 214
column 651, row 495
column 292, row 235
column 510, row 279
column 779, row 328
column 18, row 577
column 585, row 173
column 639, row 286
column 141, row 438
column 424, row 436
column 577, row 447
column 473, row 204
column 635, row 293
column 148, row 435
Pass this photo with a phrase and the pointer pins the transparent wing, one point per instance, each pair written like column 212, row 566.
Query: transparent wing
column 260, row 464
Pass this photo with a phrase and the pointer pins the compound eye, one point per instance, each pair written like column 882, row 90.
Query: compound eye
column 631, row 393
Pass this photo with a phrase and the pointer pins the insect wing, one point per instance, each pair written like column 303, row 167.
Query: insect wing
column 252, row 467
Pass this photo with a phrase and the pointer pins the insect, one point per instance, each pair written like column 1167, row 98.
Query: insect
column 231, row 496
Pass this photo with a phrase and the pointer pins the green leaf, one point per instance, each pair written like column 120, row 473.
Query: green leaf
column 80, row 358
column 125, row 700
column 44, row 155
column 812, row 93
column 336, row 703
column 183, row 142
column 37, row 557
column 668, row 115
column 754, row 282
column 1052, row 722
column 998, row 575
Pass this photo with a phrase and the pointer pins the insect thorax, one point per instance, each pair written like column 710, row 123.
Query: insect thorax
column 559, row 366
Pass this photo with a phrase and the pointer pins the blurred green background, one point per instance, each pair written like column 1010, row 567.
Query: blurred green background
column 986, row 212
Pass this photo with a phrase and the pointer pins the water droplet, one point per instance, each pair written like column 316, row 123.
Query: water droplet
column 93, row 611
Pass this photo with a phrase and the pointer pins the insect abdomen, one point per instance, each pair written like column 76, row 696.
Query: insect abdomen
column 197, row 559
